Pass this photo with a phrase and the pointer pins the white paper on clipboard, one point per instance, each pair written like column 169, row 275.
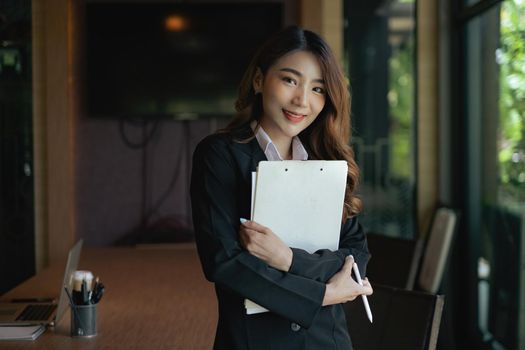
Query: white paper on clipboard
column 301, row 202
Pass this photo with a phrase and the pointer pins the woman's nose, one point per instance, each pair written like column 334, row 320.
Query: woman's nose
column 301, row 97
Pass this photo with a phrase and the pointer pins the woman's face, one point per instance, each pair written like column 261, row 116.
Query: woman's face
column 293, row 94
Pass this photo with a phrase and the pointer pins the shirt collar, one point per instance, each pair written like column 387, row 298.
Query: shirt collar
column 271, row 152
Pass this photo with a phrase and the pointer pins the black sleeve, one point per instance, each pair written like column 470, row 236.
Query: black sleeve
column 324, row 263
column 214, row 187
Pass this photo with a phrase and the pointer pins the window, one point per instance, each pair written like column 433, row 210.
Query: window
column 494, row 91
column 380, row 60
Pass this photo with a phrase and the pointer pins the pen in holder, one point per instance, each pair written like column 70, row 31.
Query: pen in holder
column 83, row 301
column 83, row 318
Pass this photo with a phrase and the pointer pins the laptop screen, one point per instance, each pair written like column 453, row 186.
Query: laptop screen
column 71, row 265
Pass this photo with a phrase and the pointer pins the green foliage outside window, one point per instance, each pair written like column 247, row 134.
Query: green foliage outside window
column 511, row 58
column 400, row 99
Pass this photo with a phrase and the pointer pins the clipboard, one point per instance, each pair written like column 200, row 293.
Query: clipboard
column 301, row 202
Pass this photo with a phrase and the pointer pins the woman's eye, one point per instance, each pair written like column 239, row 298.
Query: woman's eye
column 319, row 90
column 289, row 80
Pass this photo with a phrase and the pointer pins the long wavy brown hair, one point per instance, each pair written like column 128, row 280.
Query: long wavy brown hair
column 328, row 137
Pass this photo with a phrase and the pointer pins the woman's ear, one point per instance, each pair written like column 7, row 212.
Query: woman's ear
column 258, row 81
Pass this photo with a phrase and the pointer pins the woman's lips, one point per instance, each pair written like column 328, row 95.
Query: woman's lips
column 293, row 117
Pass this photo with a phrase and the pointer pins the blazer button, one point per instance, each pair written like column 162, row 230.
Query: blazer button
column 295, row 327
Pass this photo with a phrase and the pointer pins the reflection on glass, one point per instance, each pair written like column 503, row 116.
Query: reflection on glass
column 467, row 3
column 380, row 60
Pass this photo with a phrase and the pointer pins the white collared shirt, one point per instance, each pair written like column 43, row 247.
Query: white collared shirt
column 271, row 152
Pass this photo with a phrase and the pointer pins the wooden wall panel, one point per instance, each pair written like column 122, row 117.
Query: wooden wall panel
column 427, row 112
column 54, row 130
column 326, row 19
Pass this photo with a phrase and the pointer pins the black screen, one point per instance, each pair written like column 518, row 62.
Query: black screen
column 171, row 60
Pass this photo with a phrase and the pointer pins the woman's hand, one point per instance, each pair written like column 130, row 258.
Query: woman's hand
column 342, row 287
column 260, row 241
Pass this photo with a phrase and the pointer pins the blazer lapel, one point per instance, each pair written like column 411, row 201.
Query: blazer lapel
column 257, row 154
column 247, row 154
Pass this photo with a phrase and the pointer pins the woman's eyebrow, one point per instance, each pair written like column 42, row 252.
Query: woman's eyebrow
column 299, row 74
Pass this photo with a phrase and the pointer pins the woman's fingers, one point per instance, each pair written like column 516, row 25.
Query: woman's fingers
column 252, row 225
column 257, row 236
column 347, row 267
column 244, row 238
column 342, row 287
column 261, row 242
column 248, row 238
column 253, row 241
column 367, row 287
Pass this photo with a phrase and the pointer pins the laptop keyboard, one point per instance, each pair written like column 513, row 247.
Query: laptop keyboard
column 36, row 312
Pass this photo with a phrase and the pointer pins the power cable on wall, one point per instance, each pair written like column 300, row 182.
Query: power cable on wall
column 174, row 178
column 143, row 125
column 141, row 144
column 168, row 222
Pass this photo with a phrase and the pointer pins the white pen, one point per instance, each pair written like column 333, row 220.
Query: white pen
column 365, row 299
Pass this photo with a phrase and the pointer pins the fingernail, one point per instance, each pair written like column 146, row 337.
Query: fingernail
column 243, row 220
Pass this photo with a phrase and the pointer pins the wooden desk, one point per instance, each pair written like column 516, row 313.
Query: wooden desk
column 156, row 298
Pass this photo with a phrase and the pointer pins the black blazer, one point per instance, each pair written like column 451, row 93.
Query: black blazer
column 220, row 195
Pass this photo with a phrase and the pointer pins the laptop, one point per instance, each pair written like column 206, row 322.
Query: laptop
column 48, row 313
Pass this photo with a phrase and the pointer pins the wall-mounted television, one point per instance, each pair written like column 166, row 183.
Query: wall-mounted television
column 171, row 60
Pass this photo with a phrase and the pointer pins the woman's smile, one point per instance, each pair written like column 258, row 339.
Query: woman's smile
column 293, row 117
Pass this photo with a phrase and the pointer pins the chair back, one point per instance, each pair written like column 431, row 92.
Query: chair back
column 403, row 319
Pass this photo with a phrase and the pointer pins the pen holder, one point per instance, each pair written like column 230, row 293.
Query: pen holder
column 84, row 320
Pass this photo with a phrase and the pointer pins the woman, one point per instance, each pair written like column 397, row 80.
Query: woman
column 293, row 104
